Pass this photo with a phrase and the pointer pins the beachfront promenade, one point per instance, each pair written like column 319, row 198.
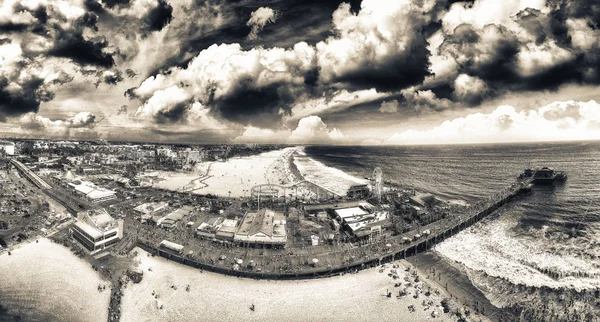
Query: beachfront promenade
column 72, row 204
column 374, row 254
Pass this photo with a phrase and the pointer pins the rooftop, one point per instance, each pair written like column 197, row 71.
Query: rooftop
column 95, row 222
column 350, row 212
column 264, row 221
column 91, row 190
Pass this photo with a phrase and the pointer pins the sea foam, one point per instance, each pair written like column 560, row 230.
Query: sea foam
column 493, row 248
column 330, row 178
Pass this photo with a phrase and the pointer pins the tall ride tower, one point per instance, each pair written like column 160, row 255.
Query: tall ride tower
column 378, row 187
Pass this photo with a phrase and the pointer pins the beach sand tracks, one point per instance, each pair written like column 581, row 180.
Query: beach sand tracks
column 47, row 280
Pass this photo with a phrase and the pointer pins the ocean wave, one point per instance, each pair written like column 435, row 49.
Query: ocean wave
column 330, row 178
column 493, row 248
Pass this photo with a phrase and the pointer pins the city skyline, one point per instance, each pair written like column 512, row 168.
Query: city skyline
column 325, row 72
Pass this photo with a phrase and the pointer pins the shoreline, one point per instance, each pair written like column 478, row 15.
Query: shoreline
column 236, row 177
column 457, row 284
column 41, row 280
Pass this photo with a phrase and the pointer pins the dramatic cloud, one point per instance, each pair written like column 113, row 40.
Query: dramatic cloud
column 26, row 81
column 389, row 106
column 507, row 46
column 190, row 67
column 170, row 104
column 421, row 100
column 257, row 135
column 260, row 87
column 568, row 120
column 469, row 89
column 331, row 102
column 312, row 129
column 110, row 77
column 249, row 87
column 259, row 19
column 31, row 121
column 381, row 47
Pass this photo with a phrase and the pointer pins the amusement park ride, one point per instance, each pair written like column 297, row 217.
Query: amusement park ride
column 378, row 186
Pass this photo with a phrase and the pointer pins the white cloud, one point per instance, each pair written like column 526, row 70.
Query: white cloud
column 312, row 129
column 163, row 104
column 484, row 12
column 137, row 8
column 370, row 142
column 340, row 100
column 534, row 59
column 424, row 100
column 257, row 135
column 389, row 106
column 469, row 88
column 201, row 118
column 82, row 119
column 217, row 70
column 381, row 30
column 568, row 120
column 259, row 19
column 582, row 36
column 379, row 33
column 32, row 121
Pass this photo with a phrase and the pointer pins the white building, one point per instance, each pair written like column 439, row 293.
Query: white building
column 96, row 230
column 8, row 147
column 92, row 192
column 362, row 220
column 165, row 244
column 146, row 210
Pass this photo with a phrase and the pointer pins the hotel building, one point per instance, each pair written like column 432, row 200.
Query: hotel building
column 96, row 230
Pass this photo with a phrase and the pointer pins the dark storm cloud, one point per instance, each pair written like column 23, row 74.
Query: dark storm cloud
column 397, row 72
column 492, row 61
column 256, row 106
column 495, row 60
column 465, row 2
column 580, row 9
column 159, row 16
column 252, row 102
column 9, row 27
column 130, row 73
column 154, row 20
column 82, row 51
column 93, row 6
column 27, row 99
column 111, row 77
column 70, row 42
column 167, row 136
column 116, row 3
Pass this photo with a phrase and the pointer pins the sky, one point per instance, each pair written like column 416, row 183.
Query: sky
column 309, row 72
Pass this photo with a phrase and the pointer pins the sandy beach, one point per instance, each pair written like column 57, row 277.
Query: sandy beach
column 236, row 175
column 213, row 297
column 44, row 281
column 456, row 283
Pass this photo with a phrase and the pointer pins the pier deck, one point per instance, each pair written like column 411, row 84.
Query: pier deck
column 398, row 249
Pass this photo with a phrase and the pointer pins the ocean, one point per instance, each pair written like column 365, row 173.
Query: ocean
column 549, row 240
